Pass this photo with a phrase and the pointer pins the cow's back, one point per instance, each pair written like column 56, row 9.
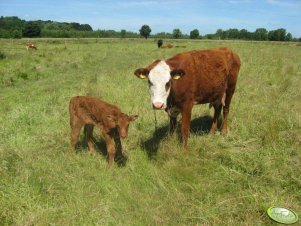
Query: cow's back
column 207, row 74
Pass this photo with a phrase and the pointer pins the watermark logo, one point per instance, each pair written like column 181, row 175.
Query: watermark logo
column 282, row 215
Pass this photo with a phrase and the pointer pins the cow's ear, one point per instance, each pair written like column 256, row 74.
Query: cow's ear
column 177, row 73
column 141, row 73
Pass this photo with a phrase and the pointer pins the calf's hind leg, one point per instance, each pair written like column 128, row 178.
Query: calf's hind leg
column 88, row 132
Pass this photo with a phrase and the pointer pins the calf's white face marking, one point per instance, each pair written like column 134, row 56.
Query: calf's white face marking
column 159, row 84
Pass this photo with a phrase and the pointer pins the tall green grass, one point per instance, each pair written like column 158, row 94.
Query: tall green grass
column 221, row 180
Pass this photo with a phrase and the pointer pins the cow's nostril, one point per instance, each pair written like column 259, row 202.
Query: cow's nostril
column 157, row 105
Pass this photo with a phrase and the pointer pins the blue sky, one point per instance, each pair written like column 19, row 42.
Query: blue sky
column 163, row 16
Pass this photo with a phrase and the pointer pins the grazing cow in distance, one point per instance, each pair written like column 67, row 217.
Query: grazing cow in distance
column 160, row 43
column 89, row 112
column 29, row 45
column 189, row 78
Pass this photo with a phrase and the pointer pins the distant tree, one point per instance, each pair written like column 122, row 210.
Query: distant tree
column 145, row 31
column 261, row 34
column 194, row 34
column 288, row 37
column 209, row 36
column 277, row 35
column 4, row 33
column 75, row 26
column 85, row 27
column 11, row 23
column 31, row 29
column 244, row 34
column 9, row 27
column 163, row 35
column 16, row 34
column 233, row 33
column 219, row 34
column 176, row 33
column 122, row 33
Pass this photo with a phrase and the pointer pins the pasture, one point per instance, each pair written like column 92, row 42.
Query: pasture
column 221, row 180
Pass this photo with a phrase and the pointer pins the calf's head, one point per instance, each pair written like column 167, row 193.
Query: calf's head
column 122, row 123
column 160, row 76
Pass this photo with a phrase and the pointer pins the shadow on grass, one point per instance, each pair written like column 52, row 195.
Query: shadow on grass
column 152, row 144
column 101, row 148
column 199, row 125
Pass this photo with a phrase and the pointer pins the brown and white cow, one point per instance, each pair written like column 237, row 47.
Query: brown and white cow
column 189, row 78
column 29, row 45
column 89, row 112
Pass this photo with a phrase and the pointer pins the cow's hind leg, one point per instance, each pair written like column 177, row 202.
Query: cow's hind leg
column 88, row 131
column 217, row 112
column 226, row 109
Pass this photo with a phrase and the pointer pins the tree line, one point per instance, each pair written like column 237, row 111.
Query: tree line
column 13, row 27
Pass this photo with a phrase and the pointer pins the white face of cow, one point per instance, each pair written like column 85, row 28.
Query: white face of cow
column 159, row 81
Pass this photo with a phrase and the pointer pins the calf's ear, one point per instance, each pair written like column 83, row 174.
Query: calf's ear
column 141, row 73
column 177, row 73
column 133, row 117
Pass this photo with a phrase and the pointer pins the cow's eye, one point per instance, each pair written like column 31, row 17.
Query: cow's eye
column 150, row 83
column 167, row 85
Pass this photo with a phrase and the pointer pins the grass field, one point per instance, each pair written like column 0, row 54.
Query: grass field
column 222, row 180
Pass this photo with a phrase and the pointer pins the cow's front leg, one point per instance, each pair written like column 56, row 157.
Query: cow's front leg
column 173, row 113
column 186, row 117
column 110, row 148
column 172, row 124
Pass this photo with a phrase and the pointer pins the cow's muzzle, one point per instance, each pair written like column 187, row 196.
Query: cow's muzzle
column 158, row 105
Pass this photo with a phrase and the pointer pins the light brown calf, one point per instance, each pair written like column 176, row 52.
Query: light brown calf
column 91, row 111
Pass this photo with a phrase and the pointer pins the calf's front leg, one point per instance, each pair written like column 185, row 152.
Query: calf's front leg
column 76, row 125
column 110, row 147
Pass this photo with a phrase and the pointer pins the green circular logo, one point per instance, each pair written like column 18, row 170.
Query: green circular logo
column 282, row 215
